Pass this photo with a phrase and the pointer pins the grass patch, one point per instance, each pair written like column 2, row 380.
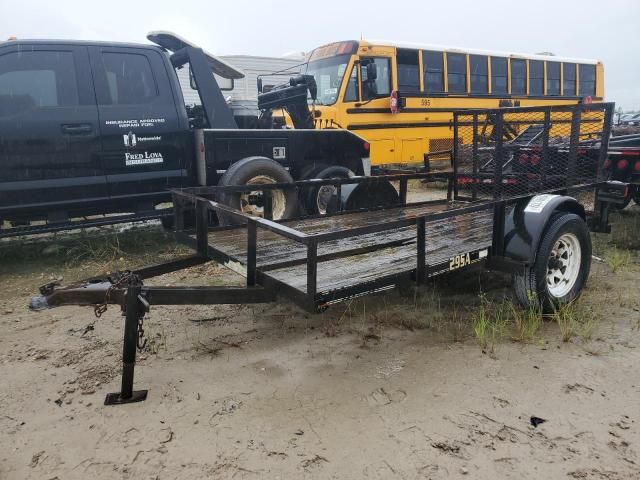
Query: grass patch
column 95, row 251
column 618, row 260
column 490, row 323
column 574, row 320
column 527, row 322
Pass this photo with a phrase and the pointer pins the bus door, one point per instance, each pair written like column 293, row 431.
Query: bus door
column 371, row 116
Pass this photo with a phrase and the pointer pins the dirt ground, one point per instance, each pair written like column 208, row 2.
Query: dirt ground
column 384, row 387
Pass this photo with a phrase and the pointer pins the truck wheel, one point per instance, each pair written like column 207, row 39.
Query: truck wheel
column 257, row 171
column 317, row 198
column 561, row 267
column 636, row 194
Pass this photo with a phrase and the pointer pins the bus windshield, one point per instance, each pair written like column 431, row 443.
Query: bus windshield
column 328, row 73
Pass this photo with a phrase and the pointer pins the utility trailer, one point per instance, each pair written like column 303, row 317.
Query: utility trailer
column 533, row 230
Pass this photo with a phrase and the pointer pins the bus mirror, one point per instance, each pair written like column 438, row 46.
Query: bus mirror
column 372, row 72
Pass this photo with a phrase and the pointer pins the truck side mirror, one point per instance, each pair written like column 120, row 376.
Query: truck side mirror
column 259, row 85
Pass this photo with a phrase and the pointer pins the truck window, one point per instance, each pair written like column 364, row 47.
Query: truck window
column 129, row 78
column 35, row 79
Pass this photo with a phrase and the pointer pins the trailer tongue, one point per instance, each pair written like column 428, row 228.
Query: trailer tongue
column 521, row 222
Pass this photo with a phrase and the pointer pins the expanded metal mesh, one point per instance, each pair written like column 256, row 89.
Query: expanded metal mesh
column 505, row 153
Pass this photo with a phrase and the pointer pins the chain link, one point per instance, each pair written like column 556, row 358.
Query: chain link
column 100, row 308
column 142, row 341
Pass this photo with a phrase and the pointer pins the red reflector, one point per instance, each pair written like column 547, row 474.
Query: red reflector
column 637, row 167
column 366, row 146
column 524, row 158
column 622, row 164
column 535, row 159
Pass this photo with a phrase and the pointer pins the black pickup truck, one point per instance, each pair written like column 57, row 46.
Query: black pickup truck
column 91, row 128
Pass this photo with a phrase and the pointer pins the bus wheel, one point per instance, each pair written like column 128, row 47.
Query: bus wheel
column 317, row 198
column 561, row 267
column 257, row 171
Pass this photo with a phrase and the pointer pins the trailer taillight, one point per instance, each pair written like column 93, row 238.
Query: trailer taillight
column 524, row 158
column 637, row 167
column 535, row 159
column 622, row 164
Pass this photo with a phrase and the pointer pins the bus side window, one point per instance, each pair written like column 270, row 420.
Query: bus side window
column 433, row 65
column 351, row 94
column 536, row 77
column 457, row 72
column 479, row 73
column 408, row 71
column 587, row 80
column 569, row 79
column 383, row 80
column 498, row 76
column 518, row 77
column 553, row 78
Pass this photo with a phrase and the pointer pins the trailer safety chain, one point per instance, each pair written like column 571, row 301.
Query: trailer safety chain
column 141, row 343
column 120, row 279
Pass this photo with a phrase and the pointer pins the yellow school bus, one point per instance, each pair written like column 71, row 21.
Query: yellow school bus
column 399, row 97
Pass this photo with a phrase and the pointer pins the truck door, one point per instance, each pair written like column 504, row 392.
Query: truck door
column 142, row 136
column 49, row 141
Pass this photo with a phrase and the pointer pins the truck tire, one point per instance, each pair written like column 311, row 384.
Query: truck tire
column 257, row 170
column 316, row 199
column 636, row 194
column 562, row 265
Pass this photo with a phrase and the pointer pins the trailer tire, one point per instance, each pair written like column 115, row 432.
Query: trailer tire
column 625, row 204
column 561, row 267
column 316, row 199
column 257, row 170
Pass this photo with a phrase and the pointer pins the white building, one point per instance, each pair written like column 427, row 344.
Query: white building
column 245, row 90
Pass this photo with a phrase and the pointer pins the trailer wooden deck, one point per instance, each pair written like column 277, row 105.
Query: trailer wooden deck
column 368, row 261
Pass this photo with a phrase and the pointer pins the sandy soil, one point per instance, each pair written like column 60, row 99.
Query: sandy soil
column 386, row 387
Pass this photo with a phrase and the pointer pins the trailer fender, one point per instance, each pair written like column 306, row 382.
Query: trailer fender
column 527, row 221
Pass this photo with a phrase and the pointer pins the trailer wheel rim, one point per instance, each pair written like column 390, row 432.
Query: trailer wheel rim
column 323, row 197
column 563, row 267
column 252, row 203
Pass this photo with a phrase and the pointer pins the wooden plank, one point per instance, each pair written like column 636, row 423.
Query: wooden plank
column 443, row 239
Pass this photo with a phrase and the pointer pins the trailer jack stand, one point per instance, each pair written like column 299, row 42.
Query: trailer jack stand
column 135, row 307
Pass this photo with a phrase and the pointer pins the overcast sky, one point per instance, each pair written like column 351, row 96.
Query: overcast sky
column 607, row 30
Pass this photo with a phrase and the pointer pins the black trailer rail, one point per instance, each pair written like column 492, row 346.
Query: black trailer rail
column 83, row 223
column 316, row 261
